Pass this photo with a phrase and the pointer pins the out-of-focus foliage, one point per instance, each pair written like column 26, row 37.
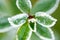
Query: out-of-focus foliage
column 7, row 8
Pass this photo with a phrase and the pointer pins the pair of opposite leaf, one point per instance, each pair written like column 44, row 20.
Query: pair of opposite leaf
column 39, row 25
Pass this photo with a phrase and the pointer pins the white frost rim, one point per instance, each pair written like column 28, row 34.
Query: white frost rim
column 42, row 14
column 17, row 3
column 16, row 17
column 30, row 33
column 53, row 8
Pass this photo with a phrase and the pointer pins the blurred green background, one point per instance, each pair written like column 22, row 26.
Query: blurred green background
column 56, row 28
column 8, row 8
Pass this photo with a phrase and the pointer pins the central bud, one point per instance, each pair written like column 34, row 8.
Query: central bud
column 30, row 17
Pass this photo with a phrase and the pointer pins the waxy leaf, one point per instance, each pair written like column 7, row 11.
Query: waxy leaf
column 44, row 6
column 23, row 32
column 18, row 19
column 45, row 19
column 44, row 32
column 24, row 5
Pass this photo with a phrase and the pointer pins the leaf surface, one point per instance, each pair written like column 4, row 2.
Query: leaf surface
column 23, row 32
column 45, row 19
column 44, row 6
column 24, row 5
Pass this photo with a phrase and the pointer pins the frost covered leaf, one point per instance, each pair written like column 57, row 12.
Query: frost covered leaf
column 45, row 5
column 24, row 32
column 44, row 32
column 18, row 19
column 24, row 5
column 45, row 19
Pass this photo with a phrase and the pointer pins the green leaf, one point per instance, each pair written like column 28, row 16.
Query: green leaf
column 18, row 19
column 32, row 25
column 43, row 5
column 23, row 32
column 24, row 5
column 34, row 37
column 45, row 19
column 44, row 32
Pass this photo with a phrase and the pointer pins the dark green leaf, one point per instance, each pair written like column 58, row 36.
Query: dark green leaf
column 34, row 37
column 18, row 19
column 23, row 32
column 24, row 5
column 43, row 31
column 32, row 25
column 45, row 19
